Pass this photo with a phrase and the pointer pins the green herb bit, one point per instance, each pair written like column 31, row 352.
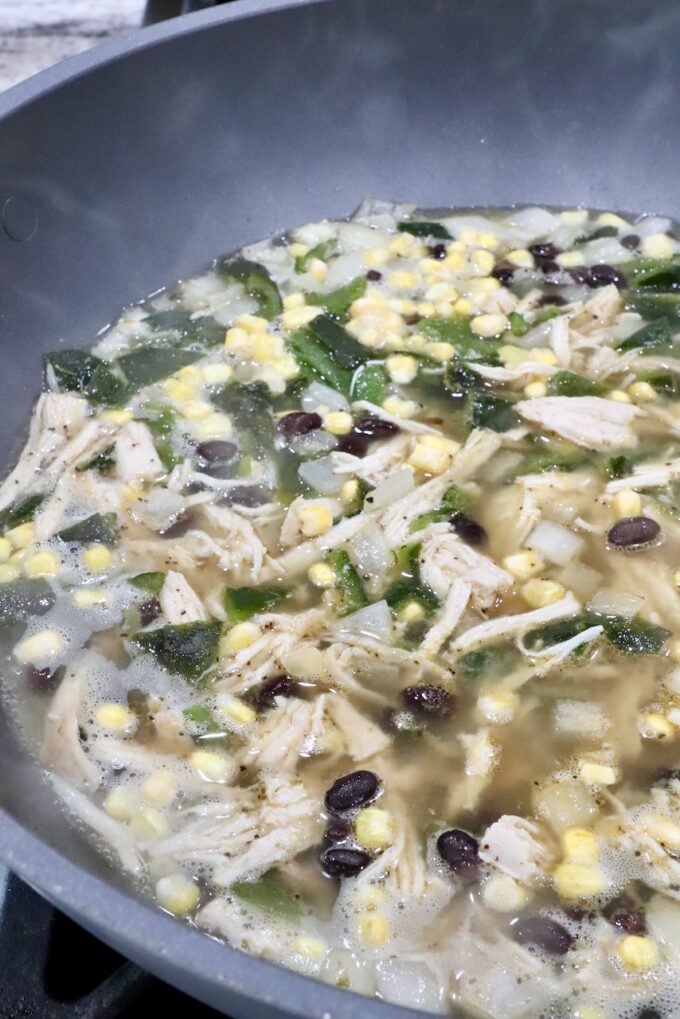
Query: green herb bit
column 493, row 660
column 202, row 717
column 241, row 603
column 596, row 235
column 454, row 500
column 565, row 383
column 518, row 327
column 633, row 636
column 100, row 528
column 21, row 512
column 256, row 282
column 103, row 462
column 338, row 302
column 152, row 582
column 424, row 228
column 493, row 412
column 619, row 466
column 268, row 893
column 348, row 593
column 188, row 648
column 369, row 383
column 323, row 251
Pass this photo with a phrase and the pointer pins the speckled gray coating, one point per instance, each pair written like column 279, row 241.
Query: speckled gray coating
column 140, row 160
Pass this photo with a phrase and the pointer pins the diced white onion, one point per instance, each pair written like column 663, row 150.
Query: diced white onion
column 317, row 441
column 581, row 579
column 370, row 552
column 553, row 541
column 318, row 395
column 410, row 984
column 615, row 603
column 375, row 620
column 396, row 487
column 652, row 225
column 318, row 474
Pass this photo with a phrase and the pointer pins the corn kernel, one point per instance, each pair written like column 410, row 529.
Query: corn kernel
column 488, row 240
column 213, row 767
column 338, row 422
column 399, row 408
column 120, row 804
column 190, row 373
column 321, row 575
column 627, row 503
column 580, row 845
column 468, row 237
column 266, row 347
column 618, row 396
column 237, row 710
column 315, row 519
column 411, row 612
column 463, row 306
column 523, row 565
column 641, row 392
column 90, row 597
column 575, row 217
column 160, row 788
column 298, row 250
column 673, row 647
column 318, row 269
column 374, row 929
column 44, row 644
column 589, row 1012
column 177, row 894
column 311, row 948
column 521, row 258
column 439, row 351
column 401, row 368
column 440, row 442
column 535, row 389
column 597, row 774
column 654, row 725
column 116, row 417
column 498, row 706
column 237, row 341
column 349, row 492
column 179, row 391
column 663, row 830
column 19, row 558
column 114, row 717
column 5, row 550
column 374, row 828
column 21, row 536
column 285, row 367
column 97, row 558
column 483, row 261
column 444, row 309
column 370, row 897
column 482, row 285
column 148, row 823
column 406, row 244
column 658, row 246
column 42, row 564
column 488, row 325
column 503, row 894
column 8, row 573
column 539, row 593
column 416, row 342
column 401, row 280
column 402, row 305
column 375, row 258
column 638, row 952
column 578, row 881
column 252, row 323
column 196, row 410
column 611, row 219
column 241, row 636
column 295, row 318
column 296, row 300
column 569, row 259
column 217, row 425
column 512, row 356
column 543, row 355
column 429, row 459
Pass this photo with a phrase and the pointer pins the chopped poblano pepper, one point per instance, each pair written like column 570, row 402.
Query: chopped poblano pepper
column 322, row 251
column 408, row 587
column 423, row 228
column 103, row 462
column 454, row 500
column 369, row 383
column 348, row 593
column 257, row 283
column 188, row 648
column 250, row 408
column 493, row 660
column 101, row 528
column 161, row 422
column 493, row 412
column 596, row 235
column 518, row 326
column 634, row 636
column 21, row 512
column 619, row 466
column 565, row 383
column 456, row 331
column 656, row 334
column 268, row 893
column 23, row 598
column 315, row 361
column 243, row 602
column 201, row 716
column 459, row 380
column 152, row 582
column 338, row 302
column 344, row 349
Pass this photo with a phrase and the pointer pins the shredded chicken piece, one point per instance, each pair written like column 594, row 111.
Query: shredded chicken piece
column 589, row 421
column 445, row 558
column 281, row 633
column 136, row 456
column 270, row 938
column 62, row 749
column 378, row 465
column 454, row 607
column 648, row 475
column 513, row 626
column 511, row 844
column 114, row 833
column 179, row 601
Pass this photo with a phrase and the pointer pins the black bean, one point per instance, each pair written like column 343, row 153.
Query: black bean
column 541, row 252
column 547, row 934
column 375, row 428
column 456, row 846
column 246, row 495
column 504, row 274
column 351, row 791
column 631, row 241
column 264, row 697
column 551, row 299
column 649, row 1013
column 468, row 529
column 353, row 443
column 633, row 532
column 428, row 700
column 373, row 275
column 298, row 422
column 216, row 452
column 344, row 862
column 437, row 251
column 629, row 919
column 42, row 680
column 182, row 523
column 603, row 275
column 336, row 832
column 580, row 274
column 149, row 610
column 550, row 268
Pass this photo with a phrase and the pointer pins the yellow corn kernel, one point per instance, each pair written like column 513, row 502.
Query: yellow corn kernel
column 370, row 897
column 285, row 367
column 658, row 246
column 237, row 710
column 21, row 536
column 440, row 442
column 42, row 564
column 654, row 725
column 338, row 422
column 19, row 558
column 673, row 647
column 44, row 644
column 311, row 948
column 663, row 830
column 426, row 309
column 488, row 240
column 401, row 368
column 597, row 774
column 349, row 492
column 618, row 396
column 543, row 355
column 444, row 309
column 488, row 325
column 120, row 804
column 523, row 565
column 196, row 410
column 237, row 341
column 97, row 558
column 638, row 952
column 611, row 219
column 252, row 323
column 321, row 575
column 416, row 342
column 405, row 244
column 439, row 351
column 190, row 373
column 241, row 636
column 131, row 493
column 468, row 237
column 498, row 706
column 89, row 597
column 266, row 347
column 375, row 258
column 5, row 550
column 401, row 280
column 402, row 305
column 539, row 593
column 512, row 356
column 213, row 767
column 578, row 881
column 116, row 417
column 463, row 306
column 482, row 285
column 483, row 261
column 160, row 788
column 429, row 459
column 503, row 894
column 374, row 828
column 374, row 929
column 399, row 408
column 411, row 612
column 574, row 216
column 589, row 1012
column 148, row 823
column 627, row 503
column 580, row 845
column 521, row 258
column 179, row 391
column 569, row 259
column 114, row 717
column 315, row 519
column 8, row 573
column 295, row 318
column 217, row 425
column 177, row 894
column 297, row 249
column 441, row 291
column 296, row 300
column 535, row 389
column 318, row 269
column 641, row 392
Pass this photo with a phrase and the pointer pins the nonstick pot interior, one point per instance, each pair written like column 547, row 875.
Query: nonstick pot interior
column 133, row 165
